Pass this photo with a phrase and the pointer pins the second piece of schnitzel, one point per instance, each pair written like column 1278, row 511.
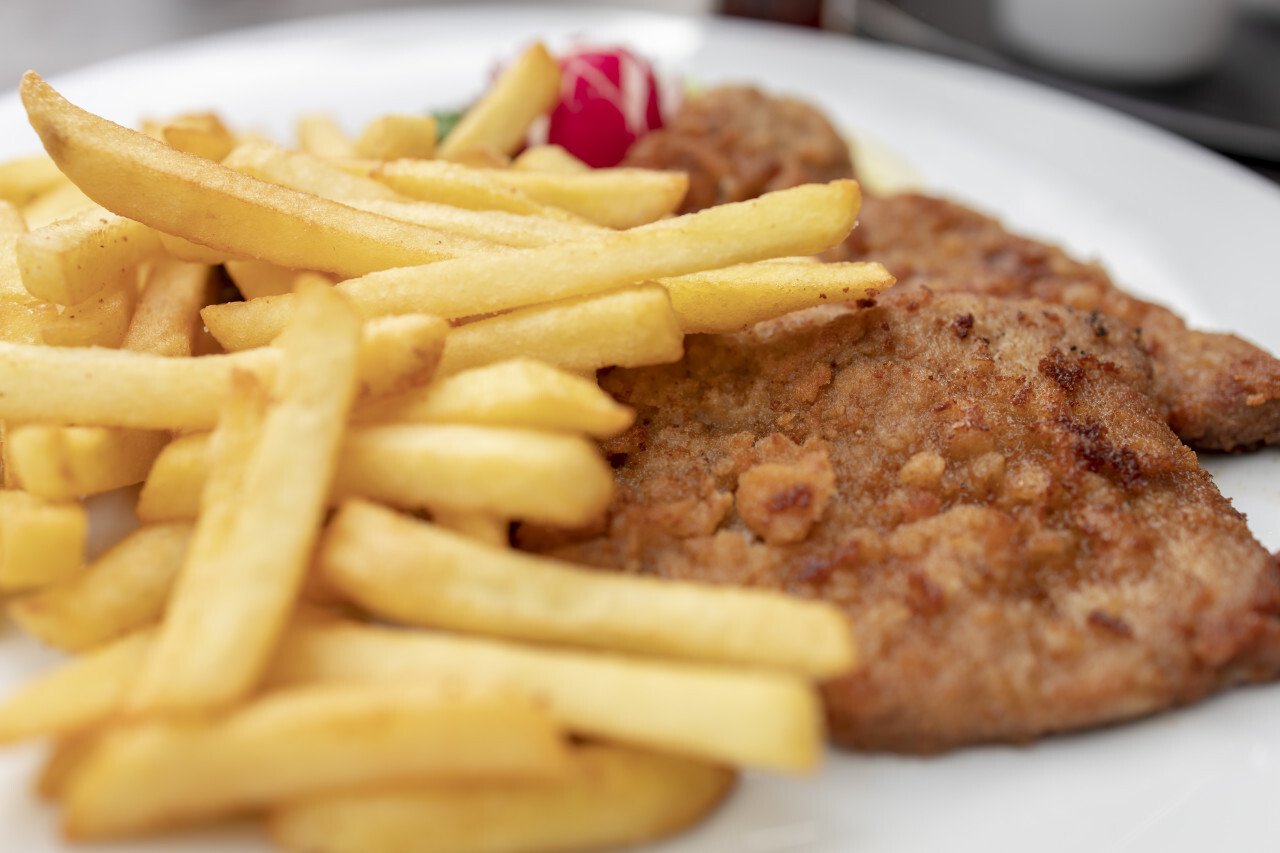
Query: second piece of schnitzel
column 985, row 486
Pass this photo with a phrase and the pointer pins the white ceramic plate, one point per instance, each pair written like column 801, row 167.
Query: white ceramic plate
column 1170, row 221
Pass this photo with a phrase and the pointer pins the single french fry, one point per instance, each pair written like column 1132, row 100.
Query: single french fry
column 452, row 183
column 514, row 230
column 176, row 481
column 143, row 777
column 122, row 591
column 736, row 298
column 25, row 323
column 398, row 354
column 99, row 387
column 116, row 388
column 501, row 118
column 202, row 134
column 61, row 764
column 60, row 463
column 168, row 310
column 61, row 201
column 614, row 198
column 182, row 194
column 508, row 473
column 614, row 798
column 727, row 715
column 417, row 573
column 730, row 715
column 548, row 158
column 24, row 179
column 248, row 559
column 319, row 134
column 231, row 451
column 102, row 320
column 305, row 172
column 630, row 327
column 800, row 220
column 87, row 691
column 518, row 474
column 40, row 541
column 392, row 136
column 74, row 259
column 12, row 226
column 81, row 693
column 519, row 392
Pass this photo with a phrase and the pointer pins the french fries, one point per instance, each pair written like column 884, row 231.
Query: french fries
column 613, row 798
column 41, row 541
column 500, row 120
column 802, row 220
column 175, row 192
column 102, row 320
column 630, row 327
column 202, row 134
column 97, row 387
column 391, row 137
column 73, row 259
column 144, row 777
column 421, row 324
column 613, row 198
column 735, row 298
column 64, row 463
column 319, row 134
column 730, row 715
column 512, row 473
column 548, row 158
column 304, row 172
column 125, row 589
column 415, row 573
column 24, row 180
column 252, row 544
column 168, row 311
column 81, row 694
column 520, row 392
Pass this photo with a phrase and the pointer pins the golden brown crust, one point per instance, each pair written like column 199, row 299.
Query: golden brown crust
column 1219, row 392
column 1022, row 544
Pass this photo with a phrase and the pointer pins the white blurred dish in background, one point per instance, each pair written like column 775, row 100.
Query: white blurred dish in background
column 1133, row 41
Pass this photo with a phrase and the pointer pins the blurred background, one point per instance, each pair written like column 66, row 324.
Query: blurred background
column 1206, row 69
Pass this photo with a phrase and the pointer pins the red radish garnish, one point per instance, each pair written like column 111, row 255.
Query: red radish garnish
column 608, row 99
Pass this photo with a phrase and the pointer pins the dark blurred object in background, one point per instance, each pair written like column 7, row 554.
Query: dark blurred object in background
column 804, row 13
column 1234, row 108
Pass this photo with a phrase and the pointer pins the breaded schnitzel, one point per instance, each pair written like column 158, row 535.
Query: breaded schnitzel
column 1022, row 544
column 1219, row 392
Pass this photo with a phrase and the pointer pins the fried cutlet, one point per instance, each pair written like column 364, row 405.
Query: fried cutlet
column 1218, row 392
column 985, row 486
